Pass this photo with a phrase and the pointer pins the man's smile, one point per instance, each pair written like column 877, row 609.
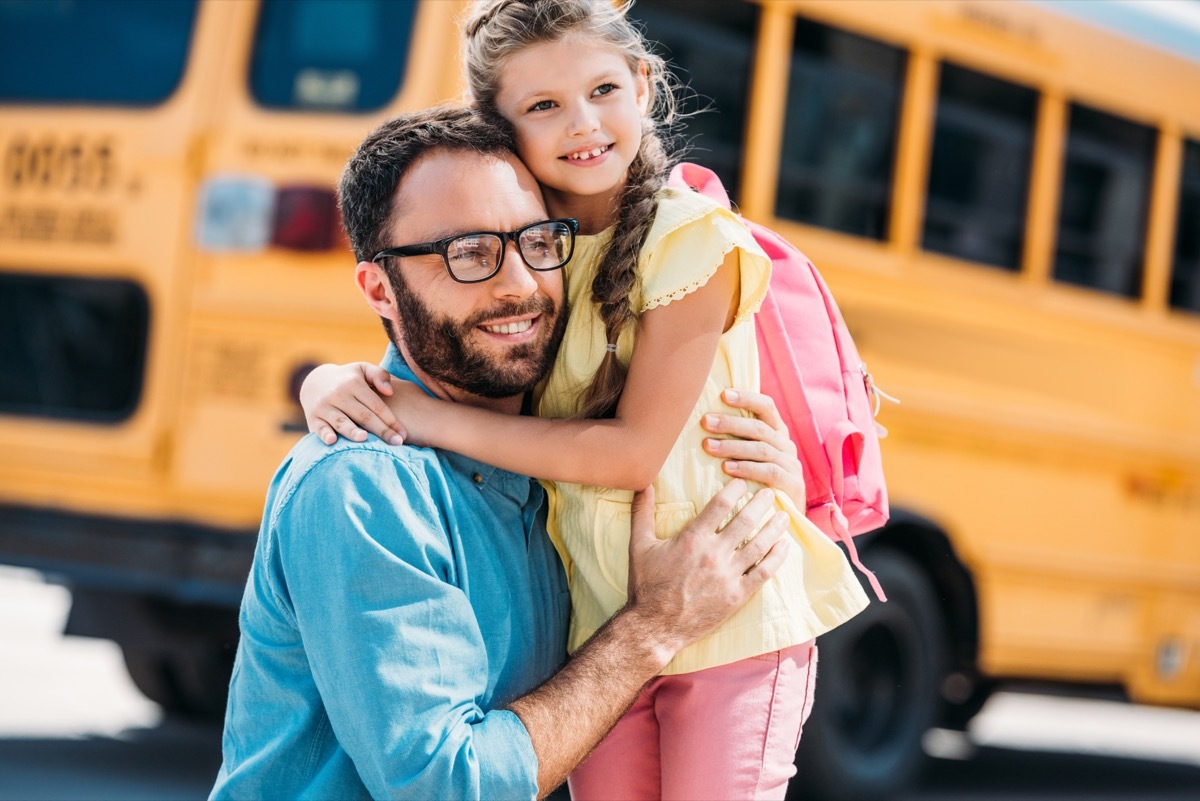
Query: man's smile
column 511, row 327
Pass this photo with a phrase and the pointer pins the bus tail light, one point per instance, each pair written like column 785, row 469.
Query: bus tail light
column 306, row 218
column 241, row 213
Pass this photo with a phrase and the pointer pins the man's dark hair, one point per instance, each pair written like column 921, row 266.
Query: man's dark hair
column 367, row 189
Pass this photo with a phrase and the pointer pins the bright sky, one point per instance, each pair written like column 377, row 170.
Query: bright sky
column 1172, row 24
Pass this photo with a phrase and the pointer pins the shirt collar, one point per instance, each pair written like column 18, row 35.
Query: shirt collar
column 486, row 476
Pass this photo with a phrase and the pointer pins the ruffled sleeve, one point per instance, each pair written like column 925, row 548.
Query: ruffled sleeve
column 688, row 241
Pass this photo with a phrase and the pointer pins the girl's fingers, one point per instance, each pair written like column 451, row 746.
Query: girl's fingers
column 378, row 378
column 738, row 426
column 373, row 414
column 769, row 475
column 748, row 449
column 367, row 419
column 762, row 406
column 326, row 433
column 345, row 427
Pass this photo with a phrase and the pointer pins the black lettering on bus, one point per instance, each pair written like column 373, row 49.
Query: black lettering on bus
column 14, row 157
column 70, row 165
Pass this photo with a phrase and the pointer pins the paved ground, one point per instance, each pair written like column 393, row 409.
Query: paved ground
column 73, row 728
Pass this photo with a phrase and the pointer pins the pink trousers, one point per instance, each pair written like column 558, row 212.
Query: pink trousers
column 729, row 732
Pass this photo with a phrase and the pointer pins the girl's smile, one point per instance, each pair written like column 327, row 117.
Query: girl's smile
column 589, row 156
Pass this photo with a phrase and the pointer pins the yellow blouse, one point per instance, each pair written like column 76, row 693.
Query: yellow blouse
column 815, row 590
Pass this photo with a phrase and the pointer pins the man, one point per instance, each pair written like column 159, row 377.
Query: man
column 406, row 613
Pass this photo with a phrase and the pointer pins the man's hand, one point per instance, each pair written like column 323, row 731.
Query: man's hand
column 679, row 590
column 682, row 588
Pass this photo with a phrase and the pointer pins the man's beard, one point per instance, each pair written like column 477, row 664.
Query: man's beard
column 440, row 346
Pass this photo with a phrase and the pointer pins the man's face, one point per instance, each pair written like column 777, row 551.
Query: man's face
column 493, row 339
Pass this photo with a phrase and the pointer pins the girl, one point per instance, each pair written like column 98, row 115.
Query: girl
column 662, row 289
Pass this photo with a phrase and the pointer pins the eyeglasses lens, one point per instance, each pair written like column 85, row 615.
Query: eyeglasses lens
column 476, row 257
column 473, row 257
column 545, row 246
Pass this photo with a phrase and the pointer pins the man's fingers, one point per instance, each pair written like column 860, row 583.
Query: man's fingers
column 718, row 508
column 760, row 543
column 742, row 527
column 760, row 573
column 642, row 515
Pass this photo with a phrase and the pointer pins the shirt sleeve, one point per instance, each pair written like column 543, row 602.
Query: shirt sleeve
column 393, row 644
column 689, row 240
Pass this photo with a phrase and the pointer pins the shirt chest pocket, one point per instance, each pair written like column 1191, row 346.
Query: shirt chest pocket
column 611, row 532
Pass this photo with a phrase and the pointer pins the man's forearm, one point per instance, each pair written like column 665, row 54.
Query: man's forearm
column 573, row 711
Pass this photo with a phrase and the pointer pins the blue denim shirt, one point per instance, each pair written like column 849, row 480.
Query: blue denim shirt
column 399, row 598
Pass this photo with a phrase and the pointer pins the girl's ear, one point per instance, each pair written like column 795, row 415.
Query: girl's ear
column 643, row 91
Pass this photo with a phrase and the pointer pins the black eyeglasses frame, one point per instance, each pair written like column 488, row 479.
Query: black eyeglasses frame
column 441, row 246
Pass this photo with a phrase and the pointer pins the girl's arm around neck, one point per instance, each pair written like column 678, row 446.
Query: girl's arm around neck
column 673, row 356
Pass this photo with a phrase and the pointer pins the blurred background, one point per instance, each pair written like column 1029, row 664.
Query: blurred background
column 1003, row 195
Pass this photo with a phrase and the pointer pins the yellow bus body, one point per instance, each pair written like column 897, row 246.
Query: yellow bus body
column 1046, row 451
column 1052, row 431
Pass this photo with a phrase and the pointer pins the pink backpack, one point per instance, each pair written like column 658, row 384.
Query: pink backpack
column 811, row 369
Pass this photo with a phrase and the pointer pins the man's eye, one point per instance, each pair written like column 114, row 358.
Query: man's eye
column 467, row 251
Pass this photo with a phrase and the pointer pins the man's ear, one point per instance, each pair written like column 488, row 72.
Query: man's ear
column 376, row 288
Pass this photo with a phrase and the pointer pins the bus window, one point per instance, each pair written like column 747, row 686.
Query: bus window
column 73, row 347
column 1105, row 192
column 1185, row 277
column 840, row 130
column 317, row 55
column 709, row 46
column 112, row 52
column 980, row 167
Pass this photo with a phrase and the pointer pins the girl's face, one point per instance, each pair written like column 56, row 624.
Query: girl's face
column 577, row 109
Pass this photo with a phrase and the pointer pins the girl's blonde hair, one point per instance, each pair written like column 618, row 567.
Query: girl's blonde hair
column 496, row 30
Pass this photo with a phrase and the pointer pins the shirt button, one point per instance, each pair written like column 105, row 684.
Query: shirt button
column 477, row 478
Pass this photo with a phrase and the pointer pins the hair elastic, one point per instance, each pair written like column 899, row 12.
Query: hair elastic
column 611, row 347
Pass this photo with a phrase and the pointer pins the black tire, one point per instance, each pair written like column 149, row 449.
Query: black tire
column 188, row 683
column 877, row 692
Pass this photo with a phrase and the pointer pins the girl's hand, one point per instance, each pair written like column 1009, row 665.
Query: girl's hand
column 335, row 397
column 762, row 450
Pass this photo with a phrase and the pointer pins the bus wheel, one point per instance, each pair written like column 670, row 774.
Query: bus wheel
column 189, row 683
column 877, row 691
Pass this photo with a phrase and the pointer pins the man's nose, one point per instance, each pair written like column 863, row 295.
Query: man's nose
column 515, row 279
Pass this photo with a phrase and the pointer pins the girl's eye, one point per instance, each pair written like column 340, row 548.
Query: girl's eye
column 542, row 105
column 604, row 89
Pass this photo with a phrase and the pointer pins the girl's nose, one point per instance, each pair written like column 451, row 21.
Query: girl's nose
column 584, row 119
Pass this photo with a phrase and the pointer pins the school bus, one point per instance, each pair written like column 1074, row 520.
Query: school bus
column 1009, row 220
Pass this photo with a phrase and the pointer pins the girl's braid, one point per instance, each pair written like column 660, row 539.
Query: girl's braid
column 616, row 275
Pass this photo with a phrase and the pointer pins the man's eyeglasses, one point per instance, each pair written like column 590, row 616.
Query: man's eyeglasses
column 477, row 256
